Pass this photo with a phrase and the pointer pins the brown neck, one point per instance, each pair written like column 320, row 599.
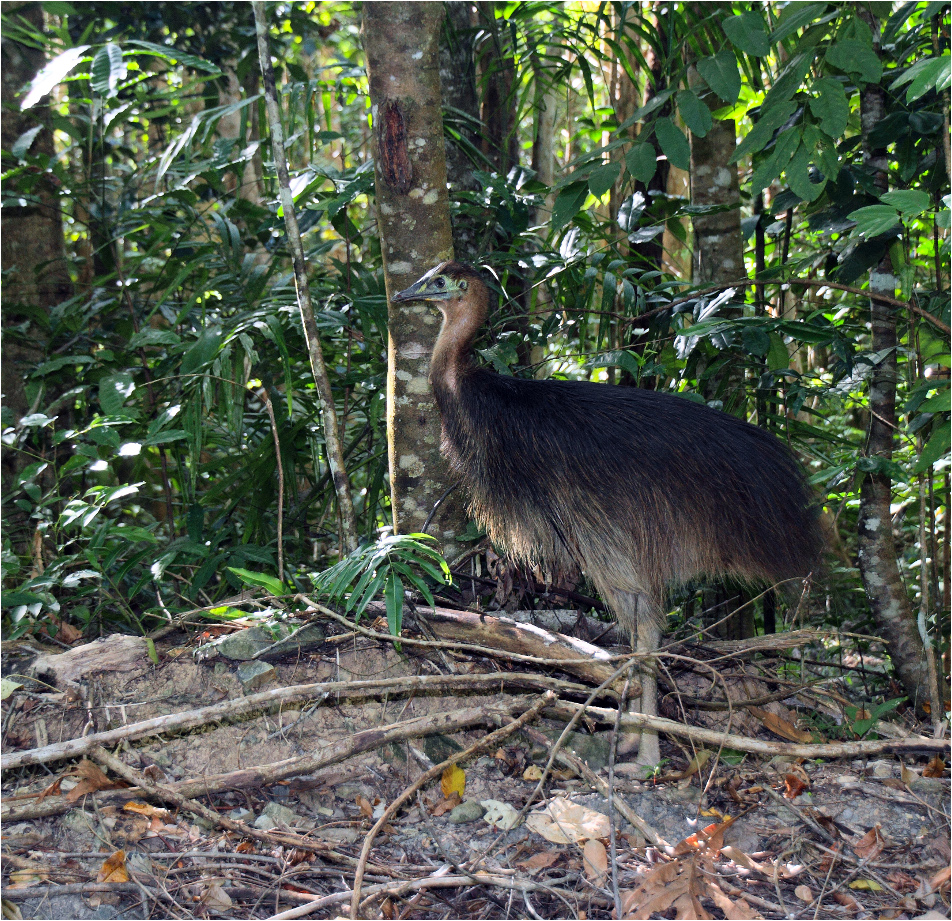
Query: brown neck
column 453, row 351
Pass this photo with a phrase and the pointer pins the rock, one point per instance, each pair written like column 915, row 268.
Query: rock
column 468, row 811
column 254, row 675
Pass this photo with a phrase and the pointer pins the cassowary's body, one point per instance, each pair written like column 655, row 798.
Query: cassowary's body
column 640, row 489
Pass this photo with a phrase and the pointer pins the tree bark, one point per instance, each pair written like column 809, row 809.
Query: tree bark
column 879, row 567
column 401, row 42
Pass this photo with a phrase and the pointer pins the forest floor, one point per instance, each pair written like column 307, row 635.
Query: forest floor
column 208, row 782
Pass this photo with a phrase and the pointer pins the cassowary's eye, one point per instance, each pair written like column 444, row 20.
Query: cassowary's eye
column 440, row 282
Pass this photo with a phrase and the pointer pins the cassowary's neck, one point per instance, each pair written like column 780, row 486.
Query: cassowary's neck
column 453, row 351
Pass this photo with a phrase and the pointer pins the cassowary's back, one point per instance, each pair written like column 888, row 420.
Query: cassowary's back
column 641, row 488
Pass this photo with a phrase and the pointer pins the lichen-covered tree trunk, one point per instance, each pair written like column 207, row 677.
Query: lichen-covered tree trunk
column 401, row 42
column 878, row 565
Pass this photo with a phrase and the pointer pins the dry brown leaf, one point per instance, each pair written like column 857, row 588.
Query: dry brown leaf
column 595, row 862
column 793, row 786
column 91, row 780
column 147, row 810
column 941, row 879
column 564, row 822
column 736, row 911
column 710, row 838
column 448, row 805
column 847, row 901
column 533, row 773
column 453, row 781
column 871, row 845
column 902, row 881
column 935, row 767
column 113, row 869
column 907, row 775
column 803, row 893
column 696, row 763
column 365, row 806
column 24, row 879
column 541, row 860
column 781, row 727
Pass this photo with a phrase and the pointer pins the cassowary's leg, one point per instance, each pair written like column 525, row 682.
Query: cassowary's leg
column 649, row 638
column 636, row 613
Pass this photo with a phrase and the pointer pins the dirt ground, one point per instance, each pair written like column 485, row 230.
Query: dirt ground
column 204, row 785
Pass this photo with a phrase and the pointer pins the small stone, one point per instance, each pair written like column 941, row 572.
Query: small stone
column 469, row 811
column 254, row 675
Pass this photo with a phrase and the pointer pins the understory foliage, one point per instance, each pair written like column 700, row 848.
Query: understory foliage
column 175, row 376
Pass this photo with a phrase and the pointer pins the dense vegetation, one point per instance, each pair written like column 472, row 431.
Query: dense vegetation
column 168, row 377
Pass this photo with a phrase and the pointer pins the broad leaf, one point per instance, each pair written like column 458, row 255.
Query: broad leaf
column 697, row 116
column 642, row 161
column 673, row 142
column 874, row 220
column 908, row 202
column 602, row 179
column 855, row 58
column 568, row 203
column 747, row 33
column 108, row 70
column 829, row 105
column 50, row 75
column 721, row 75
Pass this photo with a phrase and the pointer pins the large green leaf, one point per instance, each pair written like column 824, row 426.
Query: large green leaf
column 760, row 135
column 603, row 178
column 673, row 142
column 108, row 70
column 908, row 202
column 874, row 220
column 50, row 75
column 568, row 203
column 829, row 106
column 721, row 75
column 642, row 161
column 857, row 59
column 697, row 116
column 747, row 33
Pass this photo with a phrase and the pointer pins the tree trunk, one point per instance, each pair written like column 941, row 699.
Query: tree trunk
column 878, row 565
column 35, row 274
column 497, row 77
column 401, row 42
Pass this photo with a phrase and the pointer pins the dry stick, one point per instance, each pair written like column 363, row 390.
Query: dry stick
column 277, row 456
column 231, row 709
column 436, row 881
column 486, row 742
column 634, row 722
column 335, row 456
column 166, row 794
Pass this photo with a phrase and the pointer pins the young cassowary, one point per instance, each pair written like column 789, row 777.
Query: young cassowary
column 640, row 489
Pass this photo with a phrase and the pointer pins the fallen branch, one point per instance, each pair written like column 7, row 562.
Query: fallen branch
column 263, row 775
column 265, row 700
column 634, row 722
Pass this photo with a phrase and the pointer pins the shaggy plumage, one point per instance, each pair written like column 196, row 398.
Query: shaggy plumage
column 641, row 489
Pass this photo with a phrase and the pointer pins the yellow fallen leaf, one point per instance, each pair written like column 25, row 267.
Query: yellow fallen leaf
column 595, row 862
column 113, row 869
column 869, row 884
column 453, row 781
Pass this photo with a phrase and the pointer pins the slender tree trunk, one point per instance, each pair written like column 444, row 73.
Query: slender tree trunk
column 332, row 442
column 878, row 564
column 497, row 76
column 401, row 42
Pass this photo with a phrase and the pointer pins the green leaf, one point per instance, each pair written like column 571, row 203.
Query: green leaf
column 796, row 16
column 721, row 75
column 760, row 135
column 108, row 70
column 673, row 143
column 798, row 176
column 747, row 33
column 857, row 59
column 21, row 146
column 603, row 178
column 932, row 73
column 168, row 53
column 829, row 105
column 568, row 203
column 874, row 220
column 697, row 116
column 778, row 358
column 790, row 80
column 936, row 448
column 776, row 163
column 50, row 75
column 940, row 403
column 203, row 351
column 259, row 580
column 393, row 596
column 114, row 391
column 908, row 202
column 642, row 161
